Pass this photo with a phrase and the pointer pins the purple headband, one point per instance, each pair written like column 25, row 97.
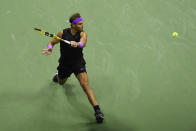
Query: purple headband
column 77, row 20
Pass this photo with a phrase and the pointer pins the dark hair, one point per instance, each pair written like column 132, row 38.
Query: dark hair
column 74, row 16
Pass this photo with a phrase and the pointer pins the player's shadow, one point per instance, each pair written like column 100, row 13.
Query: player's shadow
column 81, row 109
column 111, row 123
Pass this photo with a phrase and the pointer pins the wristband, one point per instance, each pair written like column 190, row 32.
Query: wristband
column 81, row 44
column 49, row 46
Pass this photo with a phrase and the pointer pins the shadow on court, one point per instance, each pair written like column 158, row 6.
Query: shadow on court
column 111, row 123
column 46, row 109
column 81, row 109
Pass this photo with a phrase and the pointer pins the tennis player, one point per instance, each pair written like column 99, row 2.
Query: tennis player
column 72, row 61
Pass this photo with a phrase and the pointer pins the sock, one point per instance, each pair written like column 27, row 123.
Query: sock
column 96, row 108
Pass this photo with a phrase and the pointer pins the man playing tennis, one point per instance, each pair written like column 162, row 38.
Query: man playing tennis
column 71, row 59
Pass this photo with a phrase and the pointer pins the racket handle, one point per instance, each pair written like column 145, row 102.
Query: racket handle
column 66, row 41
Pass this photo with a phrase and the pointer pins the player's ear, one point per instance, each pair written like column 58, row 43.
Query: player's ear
column 72, row 25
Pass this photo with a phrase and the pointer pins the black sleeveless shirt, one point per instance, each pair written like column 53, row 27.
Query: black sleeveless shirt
column 67, row 52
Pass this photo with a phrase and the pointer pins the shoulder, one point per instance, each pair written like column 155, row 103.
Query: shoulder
column 83, row 34
column 64, row 31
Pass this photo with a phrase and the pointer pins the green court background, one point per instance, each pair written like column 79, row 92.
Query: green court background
column 144, row 79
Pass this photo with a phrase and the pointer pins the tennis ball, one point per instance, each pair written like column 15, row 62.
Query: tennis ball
column 175, row 34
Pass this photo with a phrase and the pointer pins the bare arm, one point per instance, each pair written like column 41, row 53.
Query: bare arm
column 48, row 51
column 83, row 39
column 55, row 41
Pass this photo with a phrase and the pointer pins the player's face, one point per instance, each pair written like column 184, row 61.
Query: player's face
column 79, row 26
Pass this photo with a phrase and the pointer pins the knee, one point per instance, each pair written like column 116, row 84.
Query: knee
column 85, row 86
column 61, row 81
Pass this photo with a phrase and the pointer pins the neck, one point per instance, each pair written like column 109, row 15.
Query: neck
column 73, row 31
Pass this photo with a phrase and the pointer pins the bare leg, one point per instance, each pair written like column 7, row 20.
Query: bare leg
column 83, row 79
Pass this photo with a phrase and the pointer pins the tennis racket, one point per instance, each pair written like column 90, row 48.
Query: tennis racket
column 51, row 35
